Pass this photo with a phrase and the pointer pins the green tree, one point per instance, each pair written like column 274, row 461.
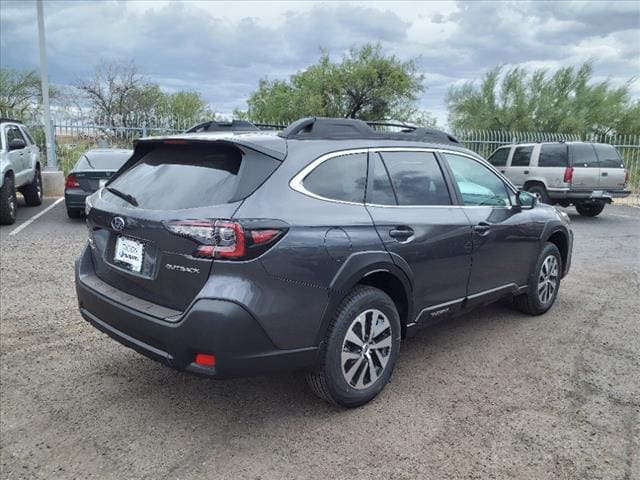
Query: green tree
column 20, row 91
column 567, row 101
column 365, row 84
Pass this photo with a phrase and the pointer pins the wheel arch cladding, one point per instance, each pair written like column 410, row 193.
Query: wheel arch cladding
column 560, row 240
column 375, row 269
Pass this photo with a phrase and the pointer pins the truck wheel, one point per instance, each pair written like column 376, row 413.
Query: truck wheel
column 360, row 349
column 540, row 192
column 8, row 201
column 544, row 282
column 590, row 209
column 32, row 193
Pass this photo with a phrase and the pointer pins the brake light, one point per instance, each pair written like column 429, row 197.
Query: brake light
column 568, row 175
column 71, row 182
column 223, row 238
column 626, row 175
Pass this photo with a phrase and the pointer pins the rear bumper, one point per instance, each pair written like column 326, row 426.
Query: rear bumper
column 213, row 326
column 75, row 198
column 594, row 195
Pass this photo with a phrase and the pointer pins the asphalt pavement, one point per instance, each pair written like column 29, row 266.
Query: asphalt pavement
column 494, row 394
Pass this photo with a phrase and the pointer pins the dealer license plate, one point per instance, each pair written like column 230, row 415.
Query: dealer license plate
column 130, row 252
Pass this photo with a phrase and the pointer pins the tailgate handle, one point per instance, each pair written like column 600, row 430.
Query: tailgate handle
column 604, row 174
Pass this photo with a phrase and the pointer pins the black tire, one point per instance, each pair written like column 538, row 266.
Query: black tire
column 74, row 213
column 32, row 193
column 8, row 201
column 590, row 209
column 540, row 192
column 531, row 302
column 330, row 382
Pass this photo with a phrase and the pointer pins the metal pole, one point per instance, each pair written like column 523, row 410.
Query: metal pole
column 52, row 163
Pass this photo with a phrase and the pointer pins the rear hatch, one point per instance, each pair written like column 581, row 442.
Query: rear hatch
column 612, row 171
column 139, row 242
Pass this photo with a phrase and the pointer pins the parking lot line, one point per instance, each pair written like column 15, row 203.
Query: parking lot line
column 35, row 217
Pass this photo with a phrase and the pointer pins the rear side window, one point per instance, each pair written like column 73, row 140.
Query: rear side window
column 584, row 156
column 608, row 156
column 416, row 178
column 175, row 177
column 499, row 157
column 553, row 155
column 340, row 178
column 381, row 189
column 521, row 157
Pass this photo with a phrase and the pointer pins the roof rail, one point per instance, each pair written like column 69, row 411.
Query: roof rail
column 318, row 128
column 232, row 126
column 269, row 126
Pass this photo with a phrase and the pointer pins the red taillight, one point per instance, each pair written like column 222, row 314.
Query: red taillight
column 263, row 236
column 568, row 175
column 626, row 175
column 205, row 359
column 71, row 182
column 225, row 239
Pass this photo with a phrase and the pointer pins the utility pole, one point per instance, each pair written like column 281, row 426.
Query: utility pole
column 52, row 163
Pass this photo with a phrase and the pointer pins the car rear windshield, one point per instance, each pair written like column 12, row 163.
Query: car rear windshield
column 175, row 177
column 102, row 161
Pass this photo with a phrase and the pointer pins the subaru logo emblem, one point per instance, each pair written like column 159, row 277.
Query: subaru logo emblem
column 117, row 223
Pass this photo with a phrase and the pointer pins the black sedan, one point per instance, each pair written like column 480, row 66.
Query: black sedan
column 90, row 173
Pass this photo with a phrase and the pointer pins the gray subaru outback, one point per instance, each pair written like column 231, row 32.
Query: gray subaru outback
column 317, row 249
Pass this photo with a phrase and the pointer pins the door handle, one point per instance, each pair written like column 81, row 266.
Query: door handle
column 604, row 174
column 502, row 170
column 526, row 172
column 482, row 229
column 401, row 233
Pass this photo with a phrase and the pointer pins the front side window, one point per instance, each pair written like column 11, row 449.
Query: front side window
column 584, row 156
column 521, row 157
column 339, row 178
column 499, row 157
column 608, row 156
column 553, row 155
column 416, row 178
column 477, row 184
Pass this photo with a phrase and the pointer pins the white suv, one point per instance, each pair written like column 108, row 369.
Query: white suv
column 19, row 169
column 587, row 175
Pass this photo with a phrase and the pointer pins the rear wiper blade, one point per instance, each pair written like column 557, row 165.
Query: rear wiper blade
column 125, row 196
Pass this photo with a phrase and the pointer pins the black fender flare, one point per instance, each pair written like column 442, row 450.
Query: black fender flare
column 356, row 267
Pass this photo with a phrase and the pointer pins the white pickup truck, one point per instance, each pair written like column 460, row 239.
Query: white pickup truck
column 19, row 168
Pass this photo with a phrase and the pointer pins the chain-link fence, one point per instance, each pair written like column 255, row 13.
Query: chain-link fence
column 75, row 133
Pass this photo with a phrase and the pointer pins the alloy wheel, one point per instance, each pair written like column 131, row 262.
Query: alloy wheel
column 366, row 349
column 548, row 279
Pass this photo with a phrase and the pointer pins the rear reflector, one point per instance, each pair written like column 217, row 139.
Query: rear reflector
column 71, row 182
column 568, row 175
column 205, row 359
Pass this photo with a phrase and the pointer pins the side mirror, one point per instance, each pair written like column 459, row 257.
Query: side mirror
column 526, row 200
column 16, row 144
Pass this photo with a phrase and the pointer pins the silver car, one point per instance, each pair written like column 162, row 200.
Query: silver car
column 19, row 169
column 586, row 175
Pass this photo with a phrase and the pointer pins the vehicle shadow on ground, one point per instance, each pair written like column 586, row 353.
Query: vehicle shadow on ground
column 278, row 397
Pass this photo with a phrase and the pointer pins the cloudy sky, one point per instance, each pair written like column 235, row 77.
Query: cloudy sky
column 222, row 49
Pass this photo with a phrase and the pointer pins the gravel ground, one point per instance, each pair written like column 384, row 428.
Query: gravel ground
column 495, row 394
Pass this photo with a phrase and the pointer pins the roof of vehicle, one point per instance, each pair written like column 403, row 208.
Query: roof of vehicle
column 328, row 134
column 10, row 120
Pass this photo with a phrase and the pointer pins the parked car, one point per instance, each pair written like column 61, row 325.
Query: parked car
column 316, row 249
column 586, row 175
column 19, row 169
column 91, row 172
